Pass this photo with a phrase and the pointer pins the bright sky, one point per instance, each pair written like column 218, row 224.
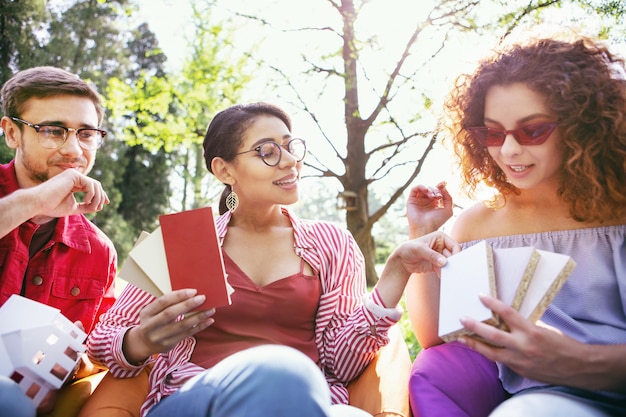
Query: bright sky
column 169, row 19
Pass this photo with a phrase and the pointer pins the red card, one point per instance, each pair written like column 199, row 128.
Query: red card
column 194, row 256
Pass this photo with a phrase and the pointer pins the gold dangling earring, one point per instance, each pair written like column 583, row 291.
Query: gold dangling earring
column 232, row 201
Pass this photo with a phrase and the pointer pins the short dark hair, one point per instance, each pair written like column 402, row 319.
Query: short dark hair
column 42, row 82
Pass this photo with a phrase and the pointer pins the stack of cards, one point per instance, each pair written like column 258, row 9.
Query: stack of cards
column 525, row 278
column 184, row 252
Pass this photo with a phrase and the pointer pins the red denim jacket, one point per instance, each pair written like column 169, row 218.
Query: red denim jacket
column 74, row 271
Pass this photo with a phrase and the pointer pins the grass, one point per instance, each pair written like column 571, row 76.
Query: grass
column 407, row 332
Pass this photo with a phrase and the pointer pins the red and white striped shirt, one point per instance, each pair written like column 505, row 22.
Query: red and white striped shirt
column 347, row 334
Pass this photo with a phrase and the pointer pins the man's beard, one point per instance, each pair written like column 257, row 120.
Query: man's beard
column 39, row 175
column 34, row 174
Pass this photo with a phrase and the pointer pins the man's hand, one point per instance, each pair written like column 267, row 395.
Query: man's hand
column 56, row 196
column 51, row 199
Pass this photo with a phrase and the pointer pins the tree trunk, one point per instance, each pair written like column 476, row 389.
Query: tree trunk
column 368, row 247
column 197, row 176
column 357, row 222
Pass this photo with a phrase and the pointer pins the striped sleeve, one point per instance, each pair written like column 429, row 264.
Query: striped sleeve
column 347, row 334
column 104, row 344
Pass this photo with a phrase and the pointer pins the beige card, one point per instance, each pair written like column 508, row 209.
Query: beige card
column 131, row 272
column 149, row 256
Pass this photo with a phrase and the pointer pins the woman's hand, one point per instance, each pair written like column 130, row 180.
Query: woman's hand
column 545, row 354
column 427, row 209
column 427, row 253
column 165, row 322
column 424, row 254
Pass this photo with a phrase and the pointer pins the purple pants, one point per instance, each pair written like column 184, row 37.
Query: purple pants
column 451, row 380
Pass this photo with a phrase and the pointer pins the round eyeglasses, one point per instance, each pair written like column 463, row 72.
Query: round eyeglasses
column 271, row 152
column 53, row 136
column 531, row 134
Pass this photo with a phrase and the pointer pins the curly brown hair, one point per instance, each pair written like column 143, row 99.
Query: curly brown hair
column 585, row 89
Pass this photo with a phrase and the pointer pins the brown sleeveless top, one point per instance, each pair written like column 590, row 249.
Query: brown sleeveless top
column 282, row 312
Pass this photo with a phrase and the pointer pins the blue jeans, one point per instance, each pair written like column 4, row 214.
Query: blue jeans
column 270, row 380
column 13, row 401
column 558, row 402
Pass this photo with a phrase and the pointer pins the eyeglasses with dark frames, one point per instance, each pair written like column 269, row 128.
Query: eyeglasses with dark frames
column 271, row 152
column 53, row 136
column 531, row 134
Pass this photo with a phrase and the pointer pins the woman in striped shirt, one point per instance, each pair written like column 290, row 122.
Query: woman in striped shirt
column 301, row 320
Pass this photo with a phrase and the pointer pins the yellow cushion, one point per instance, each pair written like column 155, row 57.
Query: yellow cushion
column 118, row 397
column 71, row 397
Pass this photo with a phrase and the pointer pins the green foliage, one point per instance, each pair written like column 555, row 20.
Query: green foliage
column 86, row 38
column 145, row 54
column 145, row 187
column 383, row 250
column 170, row 113
column 409, row 337
column 614, row 8
column 6, row 154
column 527, row 14
column 107, row 170
column 145, row 112
column 17, row 20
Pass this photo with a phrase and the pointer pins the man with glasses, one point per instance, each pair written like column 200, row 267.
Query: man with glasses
column 49, row 251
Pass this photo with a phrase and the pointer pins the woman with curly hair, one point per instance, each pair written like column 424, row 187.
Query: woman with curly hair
column 544, row 125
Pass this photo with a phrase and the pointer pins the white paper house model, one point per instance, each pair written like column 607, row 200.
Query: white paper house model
column 39, row 347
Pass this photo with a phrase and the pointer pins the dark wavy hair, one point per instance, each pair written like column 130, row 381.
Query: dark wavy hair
column 585, row 89
column 225, row 133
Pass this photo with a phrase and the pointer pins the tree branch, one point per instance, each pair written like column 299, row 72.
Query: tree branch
column 525, row 12
column 307, row 109
column 400, row 190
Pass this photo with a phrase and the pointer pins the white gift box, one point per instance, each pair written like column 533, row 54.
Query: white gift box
column 39, row 347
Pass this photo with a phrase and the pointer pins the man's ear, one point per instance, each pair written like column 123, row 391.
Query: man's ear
column 10, row 129
column 221, row 170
